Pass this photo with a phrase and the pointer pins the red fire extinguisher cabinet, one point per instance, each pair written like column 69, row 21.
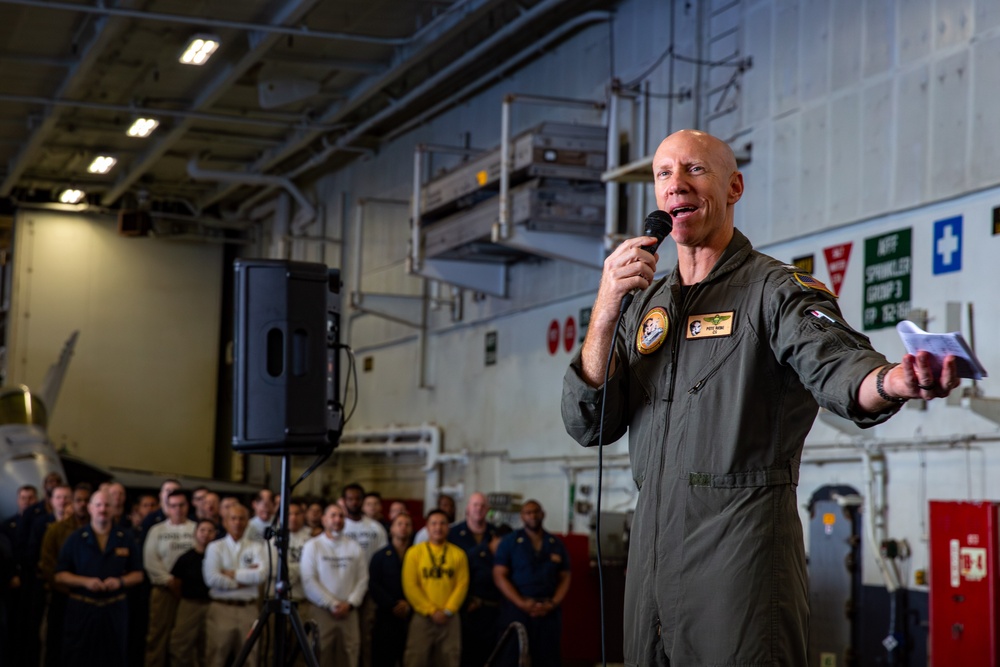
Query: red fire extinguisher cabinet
column 963, row 584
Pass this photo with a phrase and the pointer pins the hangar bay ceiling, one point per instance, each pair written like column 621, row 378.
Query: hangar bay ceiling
column 294, row 86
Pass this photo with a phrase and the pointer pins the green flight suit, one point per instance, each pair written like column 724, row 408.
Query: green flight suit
column 716, row 423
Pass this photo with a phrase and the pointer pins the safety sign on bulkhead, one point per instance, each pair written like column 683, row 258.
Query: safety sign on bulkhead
column 947, row 246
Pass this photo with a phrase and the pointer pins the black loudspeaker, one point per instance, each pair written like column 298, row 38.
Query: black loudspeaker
column 286, row 357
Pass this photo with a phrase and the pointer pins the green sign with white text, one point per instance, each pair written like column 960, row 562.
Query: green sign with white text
column 888, row 264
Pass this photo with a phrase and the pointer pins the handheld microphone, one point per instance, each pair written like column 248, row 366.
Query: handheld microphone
column 658, row 225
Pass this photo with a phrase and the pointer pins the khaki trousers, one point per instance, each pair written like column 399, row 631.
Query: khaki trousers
column 367, row 622
column 339, row 639
column 226, row 629
column 187, row 639
column 162, row 611
column 431, row 645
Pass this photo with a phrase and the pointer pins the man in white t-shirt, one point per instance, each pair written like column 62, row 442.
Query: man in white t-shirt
column 372, row 537
column 335, row 578
column 165, row 542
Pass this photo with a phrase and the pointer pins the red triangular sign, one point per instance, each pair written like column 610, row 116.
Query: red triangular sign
column 836, row 264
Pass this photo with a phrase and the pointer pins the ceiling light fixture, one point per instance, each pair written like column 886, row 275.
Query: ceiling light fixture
column 102, row 164
column 199, row 49
column 143, row 127
column 71, row 196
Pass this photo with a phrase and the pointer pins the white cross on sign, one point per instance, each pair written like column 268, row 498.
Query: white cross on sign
column 947, row 246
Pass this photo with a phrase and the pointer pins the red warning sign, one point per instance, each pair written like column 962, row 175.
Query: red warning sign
column 569, row 334
column 553, row 336
column 836, row 264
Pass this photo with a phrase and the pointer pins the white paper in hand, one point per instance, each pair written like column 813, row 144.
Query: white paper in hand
column 941, row 345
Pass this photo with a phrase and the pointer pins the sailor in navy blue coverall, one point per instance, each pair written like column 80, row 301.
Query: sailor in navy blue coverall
column 97, row 563
column 531, row 570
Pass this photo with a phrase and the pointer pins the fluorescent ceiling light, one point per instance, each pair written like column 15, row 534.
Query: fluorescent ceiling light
column 199, row 49
column 102, row 164
column 143, row 127
column 71, row 196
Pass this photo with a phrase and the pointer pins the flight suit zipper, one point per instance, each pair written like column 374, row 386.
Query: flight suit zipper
column 675, row 341
column 674, row 352
column 715, row 369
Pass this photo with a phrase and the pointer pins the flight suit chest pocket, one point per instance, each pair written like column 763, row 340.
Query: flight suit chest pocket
column 647, row 370
column 724, row 353
column 646, row 432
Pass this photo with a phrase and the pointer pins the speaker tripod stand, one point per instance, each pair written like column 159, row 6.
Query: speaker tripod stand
column 281, row 605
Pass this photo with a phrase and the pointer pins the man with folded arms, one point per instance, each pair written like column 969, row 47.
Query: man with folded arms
column 235, row 566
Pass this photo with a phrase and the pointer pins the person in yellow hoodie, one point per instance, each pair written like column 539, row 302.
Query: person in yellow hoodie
column 435, row 581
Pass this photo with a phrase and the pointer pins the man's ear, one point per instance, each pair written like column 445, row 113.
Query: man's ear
column 735, row 187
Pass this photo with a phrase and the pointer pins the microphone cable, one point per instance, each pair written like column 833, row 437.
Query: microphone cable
column 600, row 480
column 658, row 224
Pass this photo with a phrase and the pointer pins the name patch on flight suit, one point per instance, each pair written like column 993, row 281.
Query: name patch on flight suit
column 652, row 332
column 711, row 325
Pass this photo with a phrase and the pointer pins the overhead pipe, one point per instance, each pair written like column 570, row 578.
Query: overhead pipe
column 877, row 524
column 472, row 55
column 503, row 222
column 416, row 257
column 422, row 342
column 303, row 218
column 292, row 11
column 221, row 79
column 29, row 59
column 309, row 164
column 612, row 162
column 87, row 49
column 359, row 214
column 955, row 441
column 281, row 121
column 214, row 223
column 497, row 73
column 204, row 22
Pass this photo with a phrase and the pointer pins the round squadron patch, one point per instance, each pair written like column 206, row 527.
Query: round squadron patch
column 652, row 332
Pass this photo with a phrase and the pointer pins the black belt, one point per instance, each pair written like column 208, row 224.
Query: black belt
column 235, row 603
column 97, row 602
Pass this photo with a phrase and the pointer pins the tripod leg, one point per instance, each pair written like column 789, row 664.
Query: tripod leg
column 300, row 634
column 258, row 627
